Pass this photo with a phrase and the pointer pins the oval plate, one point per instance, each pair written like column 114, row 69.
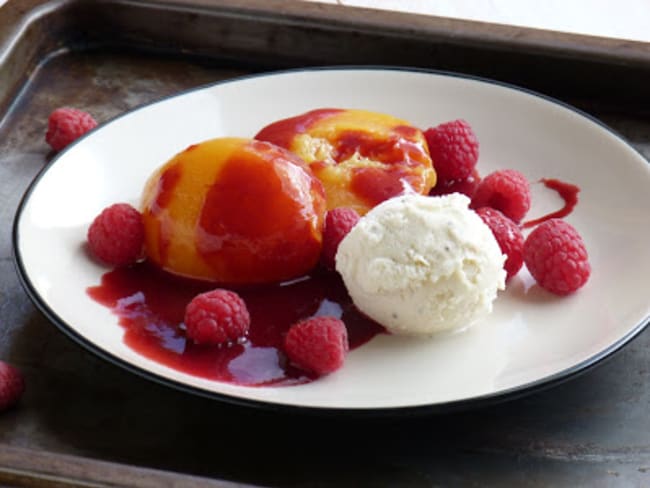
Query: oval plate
column 531, row 340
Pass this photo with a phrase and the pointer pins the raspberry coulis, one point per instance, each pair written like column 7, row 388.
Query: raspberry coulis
column 283, row 131
column 399, row 153
column 567, row 192
column 150, row 306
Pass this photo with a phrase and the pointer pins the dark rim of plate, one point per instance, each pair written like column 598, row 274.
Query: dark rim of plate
column 414, row 410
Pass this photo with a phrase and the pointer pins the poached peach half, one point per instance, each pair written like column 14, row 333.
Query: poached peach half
column 234, row 211
column 361, row 157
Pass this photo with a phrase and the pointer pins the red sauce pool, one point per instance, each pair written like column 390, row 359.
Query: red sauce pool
column 150, row 305
column 566, row 191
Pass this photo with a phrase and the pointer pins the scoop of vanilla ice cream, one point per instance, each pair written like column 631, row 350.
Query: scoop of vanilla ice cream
column 419, row 265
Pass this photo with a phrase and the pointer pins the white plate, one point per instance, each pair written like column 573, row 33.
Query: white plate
column 531, row 340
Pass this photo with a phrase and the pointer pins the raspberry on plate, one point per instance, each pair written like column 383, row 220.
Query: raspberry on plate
column 338, row 223
column 508, row 235
column 216, row 317
column 453, row 147
column 12, row 385
column 505, row 190
column 116, row 236
column 556, row 257
column 65, row 125
column 318, row 344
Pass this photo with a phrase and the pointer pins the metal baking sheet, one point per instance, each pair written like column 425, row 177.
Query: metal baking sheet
column 108, row 56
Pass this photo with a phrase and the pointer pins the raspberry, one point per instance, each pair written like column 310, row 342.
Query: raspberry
column 507, row 191
column 216, row 317
column 66, row 125
column 338, row 222
column 116, row 236
column 318, row 344
column 466, row 186
column 454, row 150
column 509, row 237
column 555, row 255
column 12, row 385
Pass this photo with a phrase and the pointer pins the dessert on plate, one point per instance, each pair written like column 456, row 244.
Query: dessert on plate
column 420, row 265
column 234, row 211
column 361, row 157
column 332, row 212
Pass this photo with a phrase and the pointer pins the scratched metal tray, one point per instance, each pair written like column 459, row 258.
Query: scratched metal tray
column 84, row 422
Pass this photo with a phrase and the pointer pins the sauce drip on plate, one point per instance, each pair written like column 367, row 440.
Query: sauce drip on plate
column 150, row 305
column 566, row 191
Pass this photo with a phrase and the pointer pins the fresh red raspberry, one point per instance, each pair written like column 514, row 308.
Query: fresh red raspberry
column 507, row 191
column 216, row 317
column 556, row 256
column 453, row 147
column 12, row 385
column 318, row 344
column 508, row 235
column 116, row 236
column 466, row 186
column 66, row 125
column 338, row 222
